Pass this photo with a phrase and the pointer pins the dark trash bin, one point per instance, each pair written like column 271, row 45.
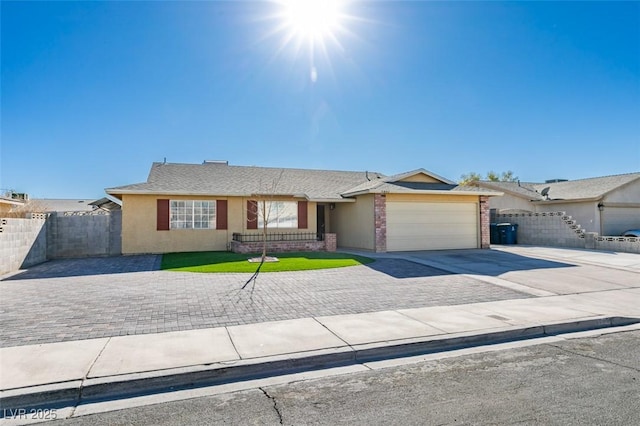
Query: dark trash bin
column 508, row 233
column 494, row 235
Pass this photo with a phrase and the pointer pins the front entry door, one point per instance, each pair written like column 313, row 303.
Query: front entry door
column 320, row 222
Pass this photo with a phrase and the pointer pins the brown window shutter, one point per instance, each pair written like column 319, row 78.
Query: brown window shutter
column 252, row 214
column 162, row 221
column 302, row 215
column 221, row 214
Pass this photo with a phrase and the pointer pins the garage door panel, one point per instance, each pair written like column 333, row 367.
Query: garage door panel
column 431, row 226
column 433, row 244
column 429, row 230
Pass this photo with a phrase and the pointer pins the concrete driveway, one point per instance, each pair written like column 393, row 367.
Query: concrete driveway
column 554, row 270
column 90, row 298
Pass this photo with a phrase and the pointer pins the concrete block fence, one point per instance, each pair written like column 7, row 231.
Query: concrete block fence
column 23, row 242
column 557, row 229
column 26, row 242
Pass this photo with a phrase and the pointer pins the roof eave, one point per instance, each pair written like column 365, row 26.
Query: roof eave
column 118, row 193
column 332, row 200
column 567, row 200
column 427, row 192
column 115, row 193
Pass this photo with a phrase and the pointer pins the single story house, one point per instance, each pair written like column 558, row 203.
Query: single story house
column 608, row 205
column 200, row 207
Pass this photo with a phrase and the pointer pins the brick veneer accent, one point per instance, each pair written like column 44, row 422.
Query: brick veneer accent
column 330, row 242
column 484, row 222
column 380, row 220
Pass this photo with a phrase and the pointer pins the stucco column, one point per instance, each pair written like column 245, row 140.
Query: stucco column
column 380, row 220
column 484, row 222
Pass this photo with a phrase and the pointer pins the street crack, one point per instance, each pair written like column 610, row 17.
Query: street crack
column 275, row 404
column 593, row 357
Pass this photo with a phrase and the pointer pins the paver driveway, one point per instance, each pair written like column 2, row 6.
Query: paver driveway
column 89, row 298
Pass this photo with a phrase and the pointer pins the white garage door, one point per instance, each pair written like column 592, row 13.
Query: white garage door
column 431, row 226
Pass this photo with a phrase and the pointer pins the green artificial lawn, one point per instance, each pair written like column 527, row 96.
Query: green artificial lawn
column 222, row 261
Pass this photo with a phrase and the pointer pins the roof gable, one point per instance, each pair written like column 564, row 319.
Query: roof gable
column 419, row 175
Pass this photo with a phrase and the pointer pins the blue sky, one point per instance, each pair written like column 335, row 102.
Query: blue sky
column 94, row 92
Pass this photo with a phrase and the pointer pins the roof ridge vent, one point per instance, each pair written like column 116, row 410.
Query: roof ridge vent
column 223, row 162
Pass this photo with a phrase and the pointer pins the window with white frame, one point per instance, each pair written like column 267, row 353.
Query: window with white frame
column 192, row 214
column 278, row 214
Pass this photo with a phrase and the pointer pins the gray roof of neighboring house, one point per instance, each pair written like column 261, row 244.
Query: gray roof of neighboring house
column 107, row 203
column 525, row 190
column 11, row 201
column 222, row 179
column 62, row 205
column 590, row 188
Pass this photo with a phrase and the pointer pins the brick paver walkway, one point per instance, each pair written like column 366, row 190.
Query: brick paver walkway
column 90, row 298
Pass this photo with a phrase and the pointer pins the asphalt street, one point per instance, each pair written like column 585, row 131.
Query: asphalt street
column 593, row 380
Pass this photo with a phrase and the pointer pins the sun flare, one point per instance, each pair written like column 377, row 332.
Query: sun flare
column 317, row 29
column 313, row 20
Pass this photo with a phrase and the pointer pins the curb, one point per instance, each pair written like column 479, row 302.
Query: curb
column 72, row 393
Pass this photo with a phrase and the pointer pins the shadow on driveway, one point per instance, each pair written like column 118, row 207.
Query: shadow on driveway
column 485, row 262
column 398, row 268
column 89, row 266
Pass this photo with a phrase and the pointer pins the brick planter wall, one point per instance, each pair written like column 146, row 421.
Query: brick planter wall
column 380, row 220
column 329, row 244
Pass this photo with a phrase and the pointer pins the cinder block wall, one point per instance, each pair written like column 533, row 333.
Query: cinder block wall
column 23, row 242
column 620, row 244
column 83, row 235
column 115, row 233
column 554, row 229
column 557, row 229
column 27, row 242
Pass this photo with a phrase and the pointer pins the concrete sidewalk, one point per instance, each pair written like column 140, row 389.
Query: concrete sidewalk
column 573, row 290
column 67, row 373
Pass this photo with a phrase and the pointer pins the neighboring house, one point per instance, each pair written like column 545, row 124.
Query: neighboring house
column 48, row 205
column 608, row 205
column 197, row 207
column 8, row 204
column 109, row 204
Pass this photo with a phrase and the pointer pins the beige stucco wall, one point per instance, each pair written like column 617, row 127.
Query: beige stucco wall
column 420, row 178
column 621, row 209
column 510, row 202
column 629, row 193
column 353, row 223
column 616, row 220
column 585, row 213
column 139, row 234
